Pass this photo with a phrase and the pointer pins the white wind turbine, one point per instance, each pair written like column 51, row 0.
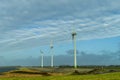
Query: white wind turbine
column 74, row 33
column 52, row 54
column 42, row 62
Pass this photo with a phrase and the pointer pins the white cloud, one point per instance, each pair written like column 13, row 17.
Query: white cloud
column 29, row 23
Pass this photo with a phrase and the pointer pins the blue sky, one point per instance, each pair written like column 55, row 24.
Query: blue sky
column 26, row 26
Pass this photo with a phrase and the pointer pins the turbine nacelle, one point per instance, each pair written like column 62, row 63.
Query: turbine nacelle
column 51, row 47
column 73, row 35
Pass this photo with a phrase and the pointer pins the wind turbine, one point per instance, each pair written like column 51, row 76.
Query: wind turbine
column 74, row 33
column 41, row 59
column 52, row 54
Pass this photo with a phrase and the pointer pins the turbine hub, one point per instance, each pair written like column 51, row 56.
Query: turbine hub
column 51, row 47
column 74, row 33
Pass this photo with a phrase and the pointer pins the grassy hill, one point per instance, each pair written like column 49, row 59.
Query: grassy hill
column 35, row 73
column 108, row 76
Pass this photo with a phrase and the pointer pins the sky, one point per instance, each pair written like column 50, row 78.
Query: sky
column 28, row 26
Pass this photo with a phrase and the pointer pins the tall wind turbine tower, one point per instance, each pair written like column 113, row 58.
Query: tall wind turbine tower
column 41, row 59
column 52, row 54
column 74, row 33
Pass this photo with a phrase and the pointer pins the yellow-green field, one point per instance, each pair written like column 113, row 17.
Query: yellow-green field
column 107, row 76
column 25, row 73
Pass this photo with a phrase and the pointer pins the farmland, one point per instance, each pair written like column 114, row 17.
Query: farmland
column 109, row 76
column 35, row 73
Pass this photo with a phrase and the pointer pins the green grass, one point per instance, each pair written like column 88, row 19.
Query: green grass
column 108, row 76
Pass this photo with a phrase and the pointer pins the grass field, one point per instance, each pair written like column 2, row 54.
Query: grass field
column 26, row 73
column 108, row 76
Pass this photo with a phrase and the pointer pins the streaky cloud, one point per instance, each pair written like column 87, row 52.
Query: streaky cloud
column 36, row 22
